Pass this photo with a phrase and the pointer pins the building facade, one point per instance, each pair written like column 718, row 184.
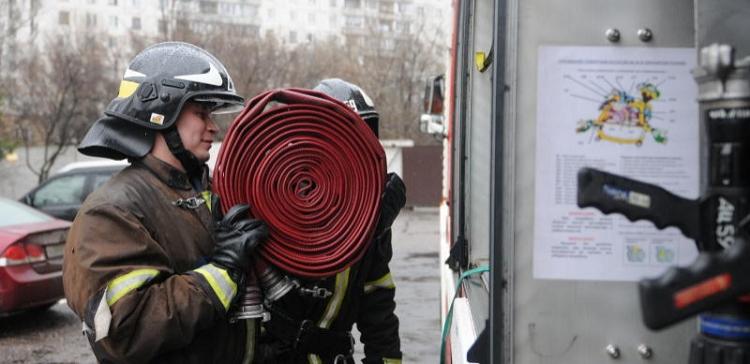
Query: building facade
column 291, row 21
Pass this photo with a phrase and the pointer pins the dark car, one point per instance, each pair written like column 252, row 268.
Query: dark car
column 62, row 194
column 31, row 254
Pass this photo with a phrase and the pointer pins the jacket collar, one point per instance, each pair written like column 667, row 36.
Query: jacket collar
column 168, row 174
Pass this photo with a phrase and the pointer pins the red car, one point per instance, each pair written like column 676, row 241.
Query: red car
column 31, row 254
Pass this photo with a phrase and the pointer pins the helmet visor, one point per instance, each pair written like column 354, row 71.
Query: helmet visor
column 220, row 104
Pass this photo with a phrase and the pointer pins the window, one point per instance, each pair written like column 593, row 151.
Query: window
column 292, row 37
column 62, row 191
column 14, row 213
column 63, row 18
column 249, row 10
column 402, row 27
column 136, row 25
column 309, row 37
column 250, row 30
column 292, row 15
column 209, row 7
column 334, row 3
column 112, row 2
column 354, row 21
column 98, row 179
column 311, row 18
column 333, row 19
column 114, row 21
column 353, row 4
column 388, row 44
column 372, row 4
column 90, row 20
column 384, row 26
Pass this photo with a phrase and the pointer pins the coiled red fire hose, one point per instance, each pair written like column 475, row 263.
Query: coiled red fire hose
column 312, row 170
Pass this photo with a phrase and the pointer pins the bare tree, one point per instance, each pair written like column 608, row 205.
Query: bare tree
column 15, row 15
column 391, row 66
column 58, row 95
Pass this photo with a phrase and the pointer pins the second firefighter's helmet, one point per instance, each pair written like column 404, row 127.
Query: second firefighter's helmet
column 354, row 97
column 155, row 87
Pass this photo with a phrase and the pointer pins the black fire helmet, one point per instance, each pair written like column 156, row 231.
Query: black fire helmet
column 354, row 97
column 155, row 87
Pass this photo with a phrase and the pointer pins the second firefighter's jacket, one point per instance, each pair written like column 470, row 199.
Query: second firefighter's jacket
column 363, row 295
column 136, row 272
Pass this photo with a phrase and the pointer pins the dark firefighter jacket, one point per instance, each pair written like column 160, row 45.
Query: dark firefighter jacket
column 136, row 273
column 361, row 295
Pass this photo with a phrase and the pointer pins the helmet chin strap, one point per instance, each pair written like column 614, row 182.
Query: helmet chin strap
column 193, row 166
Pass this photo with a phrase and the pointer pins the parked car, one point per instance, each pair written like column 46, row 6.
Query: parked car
column 62, row 194
column 31, row 254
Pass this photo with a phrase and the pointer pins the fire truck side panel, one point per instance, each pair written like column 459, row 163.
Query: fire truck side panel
column 564, row 321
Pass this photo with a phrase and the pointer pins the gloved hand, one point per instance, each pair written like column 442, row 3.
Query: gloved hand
column 237, row 236
column 393, row 200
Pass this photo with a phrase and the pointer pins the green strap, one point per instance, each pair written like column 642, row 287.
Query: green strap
column 449, row 316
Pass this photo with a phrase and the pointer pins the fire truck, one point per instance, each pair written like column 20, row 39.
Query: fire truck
column 524, row 78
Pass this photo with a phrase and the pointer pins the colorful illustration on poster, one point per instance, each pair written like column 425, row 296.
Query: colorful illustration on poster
column 625, row 118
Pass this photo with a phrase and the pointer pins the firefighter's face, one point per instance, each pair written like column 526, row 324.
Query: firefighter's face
column 197, row 129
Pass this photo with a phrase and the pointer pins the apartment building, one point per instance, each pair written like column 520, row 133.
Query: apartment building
column 294, row 21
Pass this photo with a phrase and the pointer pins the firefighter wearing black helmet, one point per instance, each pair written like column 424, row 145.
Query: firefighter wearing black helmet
column 312, row 323
column 147, row 267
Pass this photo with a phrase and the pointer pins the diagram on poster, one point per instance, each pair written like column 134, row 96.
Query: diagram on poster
column 629, row 111
column 625, row 115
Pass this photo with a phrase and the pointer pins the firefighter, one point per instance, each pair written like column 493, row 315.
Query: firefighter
column 147, row 268
column 313, row 323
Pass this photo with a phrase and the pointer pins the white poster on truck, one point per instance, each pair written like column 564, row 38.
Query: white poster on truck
column 628, row 111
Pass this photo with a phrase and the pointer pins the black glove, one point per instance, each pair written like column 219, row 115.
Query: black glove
column 393, row 200
column 237, row 236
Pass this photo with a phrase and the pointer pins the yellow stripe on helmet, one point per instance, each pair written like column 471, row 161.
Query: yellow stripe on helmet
column 127, row 88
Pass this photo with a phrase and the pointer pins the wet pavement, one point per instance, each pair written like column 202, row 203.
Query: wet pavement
column 50, row 336
column 54, row 335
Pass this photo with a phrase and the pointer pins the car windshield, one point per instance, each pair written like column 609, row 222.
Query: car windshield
column 15, row 213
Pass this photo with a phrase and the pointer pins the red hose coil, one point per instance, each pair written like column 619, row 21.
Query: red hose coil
column 312, row 170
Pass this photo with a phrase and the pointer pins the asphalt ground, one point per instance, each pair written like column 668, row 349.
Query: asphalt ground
column 54, row 335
